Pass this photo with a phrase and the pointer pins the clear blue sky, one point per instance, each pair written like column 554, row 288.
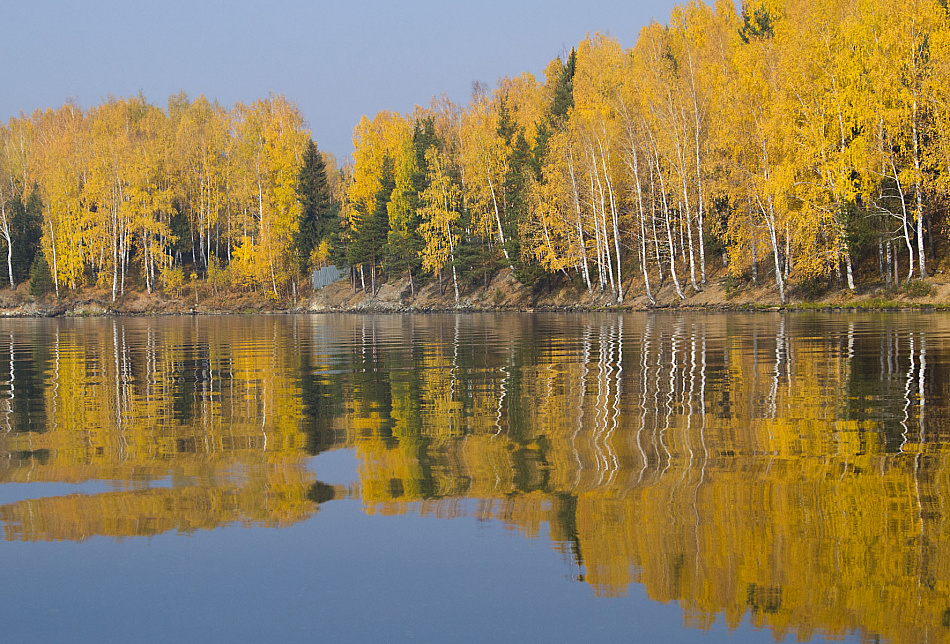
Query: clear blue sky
column 337, row 60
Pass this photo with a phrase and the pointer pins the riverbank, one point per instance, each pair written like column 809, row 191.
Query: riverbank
column 720, row 293
column 198, row 299
column 503, row 293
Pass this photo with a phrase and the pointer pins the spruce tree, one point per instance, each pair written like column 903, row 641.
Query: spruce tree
column 561, row 104
column 404, row 246
column 516, row 187
column 368, row 246
column 318, row 212
column 25, row 232
column 41, row 278
column 564, row 91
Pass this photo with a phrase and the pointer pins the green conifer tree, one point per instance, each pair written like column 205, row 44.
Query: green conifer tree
column 319, row 214
column 25, row 232
column 368, row 246
column 41, row 279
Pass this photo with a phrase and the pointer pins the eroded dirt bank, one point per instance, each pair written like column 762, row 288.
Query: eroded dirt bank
column 504, row 292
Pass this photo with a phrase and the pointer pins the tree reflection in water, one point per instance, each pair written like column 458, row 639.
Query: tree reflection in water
column 776, row 467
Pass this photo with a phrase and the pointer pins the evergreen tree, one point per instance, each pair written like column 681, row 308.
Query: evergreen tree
column 561, row 104
column 506, row 128
column 517, row 182
column 41, row 279
column 318, row 212
column 368, row 246
column 564, row 91
column 405, row 244
column 514, row 198
column 182, row 232
column 423, row 137
column 757, row 23
column 25, row 232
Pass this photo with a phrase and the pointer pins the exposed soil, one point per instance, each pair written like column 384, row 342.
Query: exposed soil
column 98, row 301
column 503, row 292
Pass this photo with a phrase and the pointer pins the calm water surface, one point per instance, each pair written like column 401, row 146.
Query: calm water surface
column 597, row 477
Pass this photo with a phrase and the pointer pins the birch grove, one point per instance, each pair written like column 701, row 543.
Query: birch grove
column 801, row 140
column 801, row 144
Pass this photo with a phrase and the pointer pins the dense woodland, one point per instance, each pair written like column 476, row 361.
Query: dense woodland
column 800, row 143
column 803, row 142
column 128, row 191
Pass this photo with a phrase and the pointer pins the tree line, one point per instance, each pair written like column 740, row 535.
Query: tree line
column 129, row 191
column 800, row 141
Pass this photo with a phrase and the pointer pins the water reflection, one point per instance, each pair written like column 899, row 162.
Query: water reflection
column 136, row 402
column 788, row 469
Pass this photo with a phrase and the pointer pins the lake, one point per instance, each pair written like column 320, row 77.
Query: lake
column 734, row 477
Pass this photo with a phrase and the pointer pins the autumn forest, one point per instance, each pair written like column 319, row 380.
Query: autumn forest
column 803, row 144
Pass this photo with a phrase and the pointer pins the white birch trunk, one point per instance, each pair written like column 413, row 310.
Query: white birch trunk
column 616, row 226
column 52, row 244
column 669, row 232
column 904, row 220
column 580, row 224
column 918, row 189
column 5, row 232
column 643, row 232
column 501, row 232
column 768, row 214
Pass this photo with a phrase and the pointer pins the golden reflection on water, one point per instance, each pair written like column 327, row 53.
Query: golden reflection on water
column 789, row 469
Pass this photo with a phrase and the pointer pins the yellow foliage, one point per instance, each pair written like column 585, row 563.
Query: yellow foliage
column 173, row 278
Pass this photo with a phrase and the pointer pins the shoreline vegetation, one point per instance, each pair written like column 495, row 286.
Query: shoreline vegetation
column 795, row 154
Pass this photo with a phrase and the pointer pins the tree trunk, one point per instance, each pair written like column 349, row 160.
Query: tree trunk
column 618, row 293
column 689, row 233
column 643, row 232
column 919, row 191
column 580, row 225
column 669, row 230
column 9, row 239
column 501, row 232
column 769, row 216
column 52, row 243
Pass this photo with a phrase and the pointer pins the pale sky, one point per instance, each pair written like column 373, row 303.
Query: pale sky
column 335, row 60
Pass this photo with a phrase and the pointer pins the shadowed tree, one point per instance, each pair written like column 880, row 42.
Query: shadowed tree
column 26, row 232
